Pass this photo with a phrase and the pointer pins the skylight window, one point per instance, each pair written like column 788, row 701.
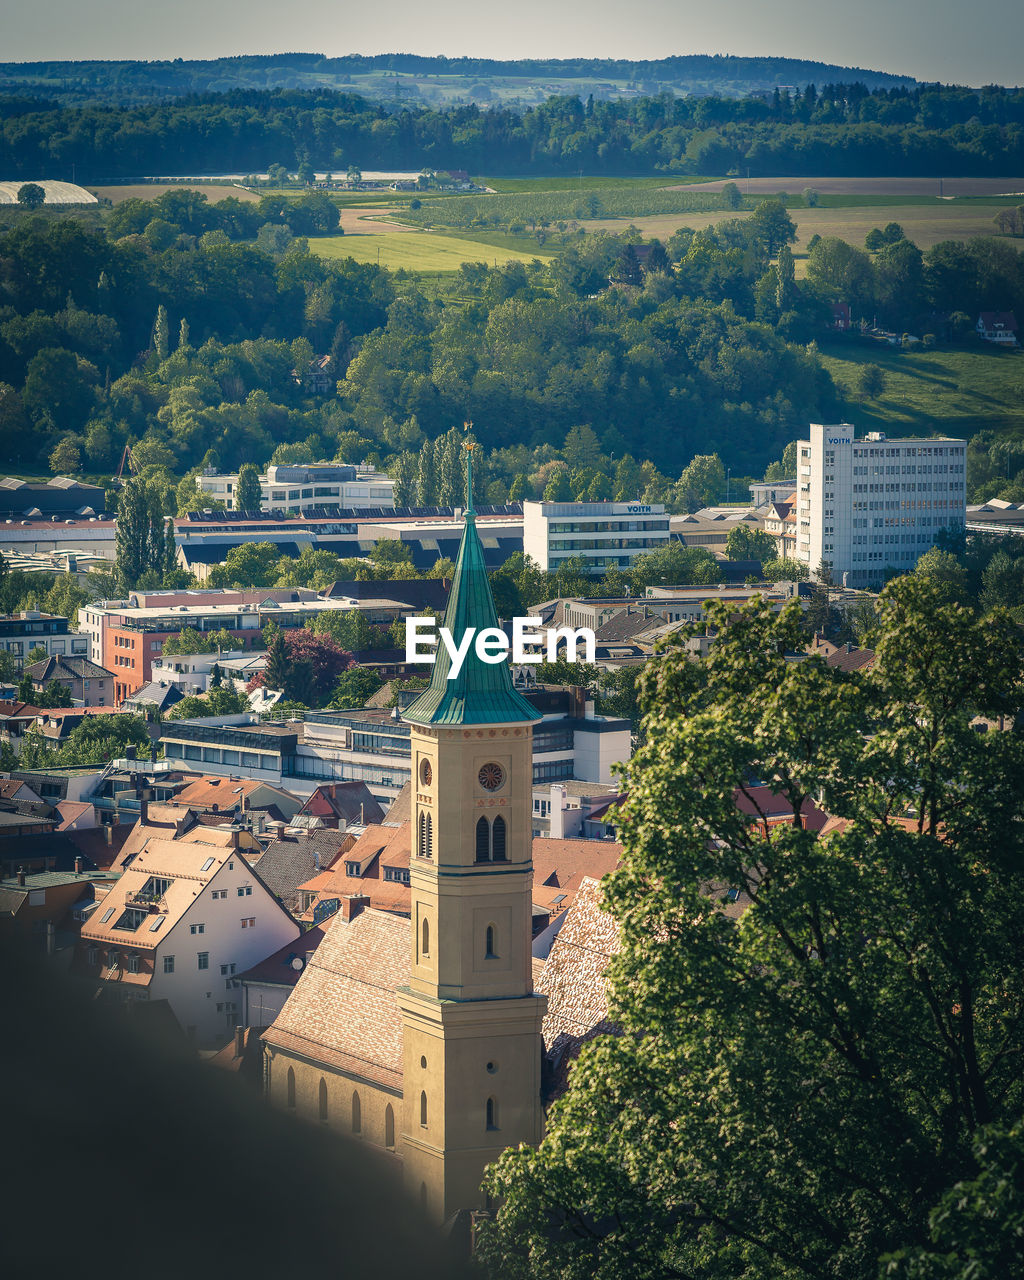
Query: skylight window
column 207, row 864
column 157, row 922
column 106, row 915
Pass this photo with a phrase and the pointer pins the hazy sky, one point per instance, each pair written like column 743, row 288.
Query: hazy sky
column 947, row 40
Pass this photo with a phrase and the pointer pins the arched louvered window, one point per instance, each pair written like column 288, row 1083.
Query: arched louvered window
column 492, row 1114
column 483, row 840
column 491, row 952
column 498, row 852
column 423, row 1110
column 421, row 847
column 323, row 1099
column 425, row 939
column 291, row 1087
column 430, row 835
column 357, row 1114
column 389, row 1128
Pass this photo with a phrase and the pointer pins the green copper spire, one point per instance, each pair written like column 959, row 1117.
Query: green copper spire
column 482, row 693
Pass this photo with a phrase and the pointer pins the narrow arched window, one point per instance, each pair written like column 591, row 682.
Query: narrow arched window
column 430, row 835
column 323, row 1099
column 498, row 840
column 491, row 951
column 291, row 1087
column 357, row 1114
column 423, row 1110
column 425, row 939
column 492, row 1114
column 389, row 1128
column 421, row 847
column 483, row 840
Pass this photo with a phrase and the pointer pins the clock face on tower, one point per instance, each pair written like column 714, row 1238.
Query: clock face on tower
column 491, row 776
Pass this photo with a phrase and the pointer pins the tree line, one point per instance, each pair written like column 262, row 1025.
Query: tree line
column 843, row 129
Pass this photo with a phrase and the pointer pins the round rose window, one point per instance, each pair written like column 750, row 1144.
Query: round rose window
column 491, row 776
column 426, row 773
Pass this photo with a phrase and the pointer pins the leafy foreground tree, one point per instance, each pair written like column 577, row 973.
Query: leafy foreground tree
column 792, row 1091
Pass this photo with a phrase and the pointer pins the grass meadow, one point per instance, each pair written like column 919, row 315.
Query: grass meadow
column 960, row 390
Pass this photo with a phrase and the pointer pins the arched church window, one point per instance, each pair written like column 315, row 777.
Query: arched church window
column 357, row 1114
column 389, row 1128
column 498, row 852
column 490, row 951
column 483, row 840
column 425, row 843
column 425, row 938
column 291, row 1087
column 323, row 1099
column 492, row 1114
column 423, row 1110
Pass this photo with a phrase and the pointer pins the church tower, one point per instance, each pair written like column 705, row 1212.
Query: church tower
column 471, row 1021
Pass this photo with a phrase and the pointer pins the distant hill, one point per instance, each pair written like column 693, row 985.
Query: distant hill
column 429, row 81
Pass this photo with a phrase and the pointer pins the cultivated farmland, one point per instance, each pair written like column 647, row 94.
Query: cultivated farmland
column 416, row 251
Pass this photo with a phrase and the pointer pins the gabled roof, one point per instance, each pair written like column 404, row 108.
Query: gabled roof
column 280, row 969
column 20, row 711
column 561, row 866
column 482, row 692
column 296, row 856
column 344, row 801
column 160, row 694
column 72, row 667
column 344, row 1009
column 573, row 981
column 224, row 794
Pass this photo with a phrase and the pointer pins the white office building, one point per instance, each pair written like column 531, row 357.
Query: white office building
column 872, row 505
column 299, row 487
column 607, row 534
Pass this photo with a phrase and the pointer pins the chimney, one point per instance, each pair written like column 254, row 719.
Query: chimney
column 130, row 751
column 352, row 904
column 79, row 865
column 108, row 832
column 21, row 875
column 239, row 1041
column 51, row 938
column 144, row 794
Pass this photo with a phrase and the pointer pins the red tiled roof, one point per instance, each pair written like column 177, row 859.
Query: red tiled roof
column 344, row 1009
column 19, row 710
column 560, row 866
column 763, row 802
column 226, row 793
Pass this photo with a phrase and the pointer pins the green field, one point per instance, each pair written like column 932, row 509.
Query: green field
column 417, row 251
column 566, row 182
column 925, row 224
column 959, row 392
column 627, row 201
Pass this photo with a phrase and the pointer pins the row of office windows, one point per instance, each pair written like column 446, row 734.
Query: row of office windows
column 604, row 544
column 607, row 526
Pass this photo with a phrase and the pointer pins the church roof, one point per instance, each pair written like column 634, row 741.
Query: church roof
column 344, row 1008
column 482, row 692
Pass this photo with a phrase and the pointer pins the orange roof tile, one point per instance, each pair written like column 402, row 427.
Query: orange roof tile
column 344, row 1009
column 560, row 866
